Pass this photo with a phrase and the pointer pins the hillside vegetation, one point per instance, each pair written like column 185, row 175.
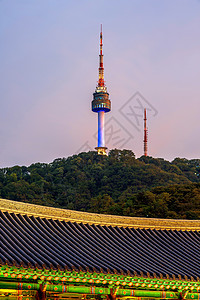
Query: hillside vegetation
column 117, row 184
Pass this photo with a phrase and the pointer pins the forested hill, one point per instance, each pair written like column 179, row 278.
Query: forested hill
column 117, row 184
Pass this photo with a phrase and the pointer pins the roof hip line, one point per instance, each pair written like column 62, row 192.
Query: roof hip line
column 97, row 219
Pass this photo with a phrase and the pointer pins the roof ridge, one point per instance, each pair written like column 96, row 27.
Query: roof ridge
column 97, row 219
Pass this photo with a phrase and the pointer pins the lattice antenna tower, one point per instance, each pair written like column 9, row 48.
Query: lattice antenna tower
column 145, row 132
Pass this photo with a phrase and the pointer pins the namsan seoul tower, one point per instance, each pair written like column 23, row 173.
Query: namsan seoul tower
column 101, row 103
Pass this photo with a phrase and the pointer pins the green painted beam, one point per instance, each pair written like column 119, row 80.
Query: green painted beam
column 20, row 286
column 18, row 274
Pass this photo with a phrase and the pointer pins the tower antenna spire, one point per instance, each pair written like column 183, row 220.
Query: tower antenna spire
column 145, row 132
column 101, row 39
column 101, row 68
column 101, row 103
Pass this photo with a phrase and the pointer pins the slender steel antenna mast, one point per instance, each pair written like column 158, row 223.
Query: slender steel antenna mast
column 145, row 132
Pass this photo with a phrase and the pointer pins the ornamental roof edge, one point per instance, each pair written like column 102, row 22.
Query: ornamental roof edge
column 66, row 215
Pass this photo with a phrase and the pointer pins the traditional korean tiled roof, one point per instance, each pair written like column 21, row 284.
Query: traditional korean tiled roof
column 43, row 237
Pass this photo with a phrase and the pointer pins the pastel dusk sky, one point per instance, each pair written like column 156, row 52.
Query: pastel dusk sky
column 49, row 52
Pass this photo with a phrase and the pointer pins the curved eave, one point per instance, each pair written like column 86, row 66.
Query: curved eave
column 96, row 219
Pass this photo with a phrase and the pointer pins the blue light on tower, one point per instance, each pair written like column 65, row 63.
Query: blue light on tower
column 101, row 103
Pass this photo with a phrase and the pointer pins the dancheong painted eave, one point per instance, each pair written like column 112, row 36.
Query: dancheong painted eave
column 53, row 240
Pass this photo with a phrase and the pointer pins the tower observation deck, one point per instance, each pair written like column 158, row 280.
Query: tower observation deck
column 101, row 103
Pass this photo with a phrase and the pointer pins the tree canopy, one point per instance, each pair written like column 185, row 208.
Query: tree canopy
column 114, row 184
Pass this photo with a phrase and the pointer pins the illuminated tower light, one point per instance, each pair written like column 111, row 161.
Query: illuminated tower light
column 101, row 103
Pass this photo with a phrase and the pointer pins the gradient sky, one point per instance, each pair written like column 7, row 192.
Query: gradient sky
column 48, row 73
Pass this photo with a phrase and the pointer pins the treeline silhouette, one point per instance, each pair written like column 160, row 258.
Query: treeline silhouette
column 115, row 184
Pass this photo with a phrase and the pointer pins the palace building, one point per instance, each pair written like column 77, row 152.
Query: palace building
column 50, row 253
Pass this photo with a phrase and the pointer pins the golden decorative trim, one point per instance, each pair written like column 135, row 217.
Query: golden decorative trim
column 97, row 219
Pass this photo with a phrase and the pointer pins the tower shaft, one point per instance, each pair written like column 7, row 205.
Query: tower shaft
column 145, row 132
column 101, row 141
